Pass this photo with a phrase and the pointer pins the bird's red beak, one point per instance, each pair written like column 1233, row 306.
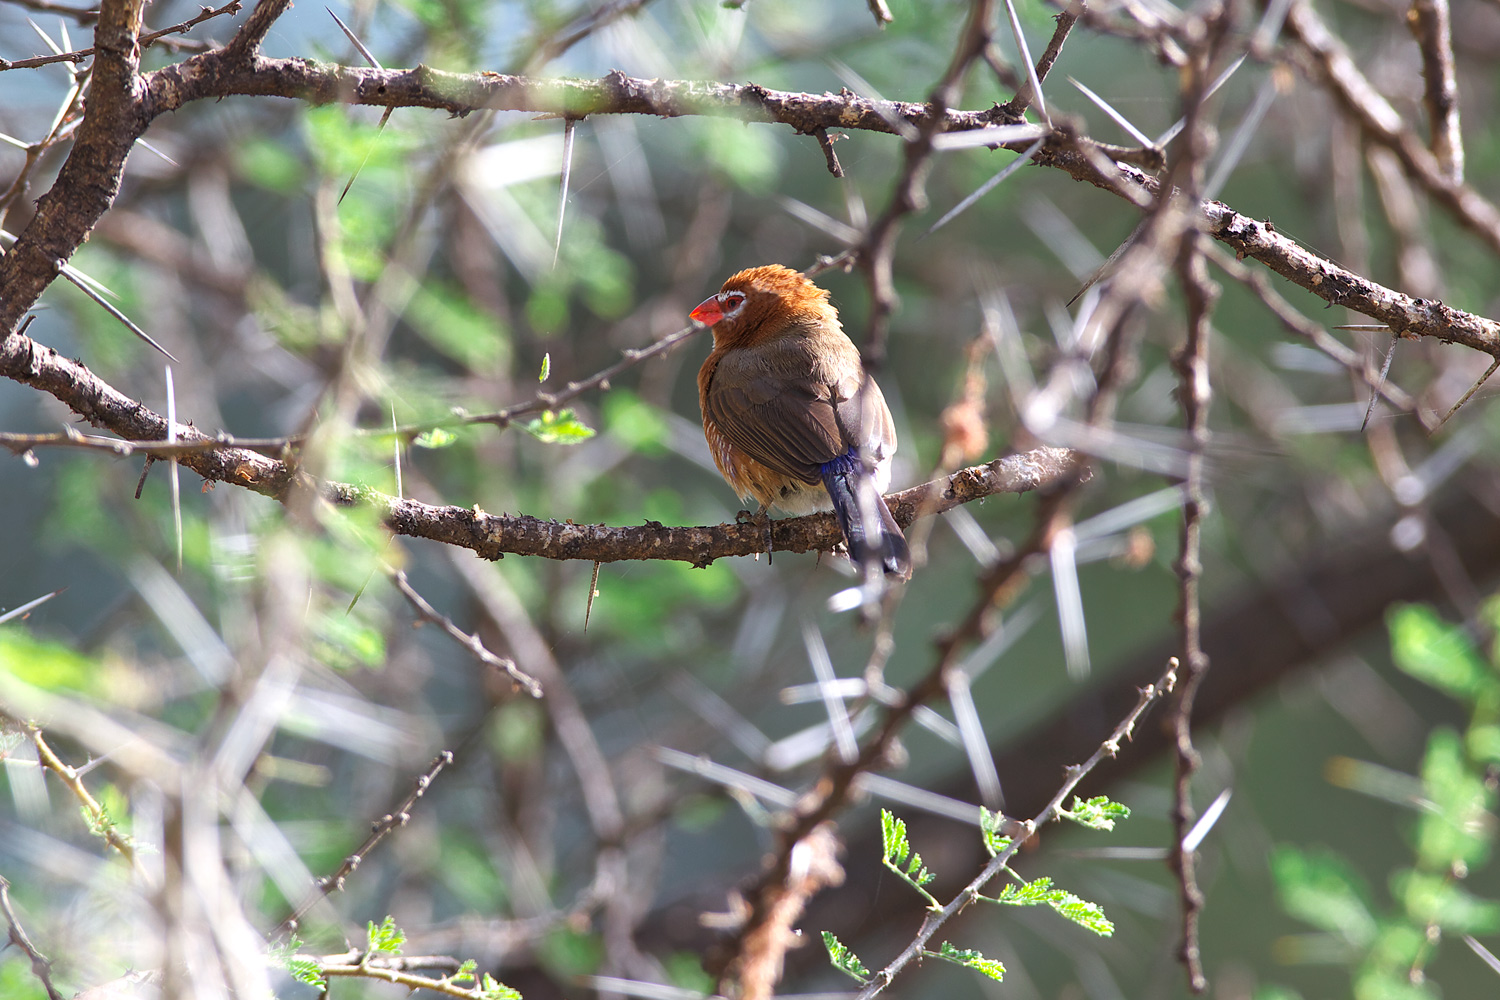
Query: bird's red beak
column 708, row 312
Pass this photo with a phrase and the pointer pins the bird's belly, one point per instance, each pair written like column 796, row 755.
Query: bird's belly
column 797, row 498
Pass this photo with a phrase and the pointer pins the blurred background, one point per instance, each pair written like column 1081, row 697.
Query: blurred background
column 571, row 845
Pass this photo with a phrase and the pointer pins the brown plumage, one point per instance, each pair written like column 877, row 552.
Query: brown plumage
column 791, row 417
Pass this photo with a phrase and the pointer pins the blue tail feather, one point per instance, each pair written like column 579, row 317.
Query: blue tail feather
column 880, row 542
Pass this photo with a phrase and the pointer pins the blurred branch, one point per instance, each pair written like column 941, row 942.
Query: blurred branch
column 876, row 252
column 41, row 966
column 551, row 44
column 1267, row 631
column 83, row 15
column 1332, row 63
column 1432, row 26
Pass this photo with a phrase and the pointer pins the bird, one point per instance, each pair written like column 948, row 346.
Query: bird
column 791, row 416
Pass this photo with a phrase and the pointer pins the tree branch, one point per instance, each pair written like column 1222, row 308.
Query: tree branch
column 493, row 536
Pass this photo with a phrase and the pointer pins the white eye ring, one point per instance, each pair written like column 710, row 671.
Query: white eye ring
column 731, row 303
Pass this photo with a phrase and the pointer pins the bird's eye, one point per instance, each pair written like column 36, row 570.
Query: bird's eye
column 731, row 302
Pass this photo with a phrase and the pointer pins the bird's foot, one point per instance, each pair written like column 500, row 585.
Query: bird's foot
column 762, row 520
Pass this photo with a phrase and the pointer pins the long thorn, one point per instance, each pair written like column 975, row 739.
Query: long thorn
column 1469, row 395
column 1031, row 77
column 1385, row 369
column 1109, row 109
column 985, row 188
column 369, row 58
column 174, row 475
column 569, row 125
column 593, row 593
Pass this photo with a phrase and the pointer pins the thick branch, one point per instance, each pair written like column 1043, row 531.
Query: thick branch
column 211, row 75
column 1406, row 316
column 87, row 183
column 493, row 536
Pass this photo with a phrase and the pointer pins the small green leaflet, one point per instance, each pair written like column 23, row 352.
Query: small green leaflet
column 970, row 960
column 387, row 938
column 304, row 970
column 492, row 989
column 435, row 438
column 845, row 960
column 896, row 851
column 1098, row 813
column 1040, row 890
column 561, row 427
column 991, row 824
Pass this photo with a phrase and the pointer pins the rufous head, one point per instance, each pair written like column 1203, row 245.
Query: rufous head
column 763, row 301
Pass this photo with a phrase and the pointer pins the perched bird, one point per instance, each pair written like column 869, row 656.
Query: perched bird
column 791, row 417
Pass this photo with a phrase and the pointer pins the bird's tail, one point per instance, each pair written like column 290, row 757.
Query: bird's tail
column 869, row 529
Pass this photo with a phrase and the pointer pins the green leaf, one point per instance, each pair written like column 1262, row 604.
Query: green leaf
column 558, row 428
column 435, row 438
column 897, row 855
column 970, row 960
column 845, row 960
column 992, row 825
column 1083, row 913
column 1098, row 813
column 385, row 939
column 1434, row 900
column 1437, row 653
column 306, row 970
column 1318, row 887
column 1040, row 891
column 493, row 989
column 1457, row 828
column 302, row 968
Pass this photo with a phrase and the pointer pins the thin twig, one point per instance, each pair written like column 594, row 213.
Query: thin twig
column 1192, row 367
column 146, row 40
column 380, row 829
column 465, row 639
column 41, row 966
